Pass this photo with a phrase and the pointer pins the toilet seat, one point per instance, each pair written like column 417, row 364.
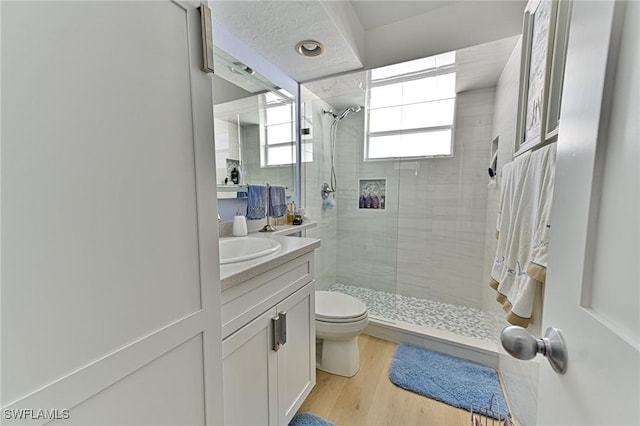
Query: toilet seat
column 335, row 307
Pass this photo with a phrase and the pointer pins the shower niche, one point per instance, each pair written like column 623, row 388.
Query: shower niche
column 372, row 194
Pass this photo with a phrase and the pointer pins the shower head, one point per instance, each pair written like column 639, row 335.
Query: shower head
column 355, row 108
column 343, row 114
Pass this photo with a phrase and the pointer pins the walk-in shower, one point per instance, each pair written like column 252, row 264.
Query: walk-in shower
column 331, row 188
column 421, row 259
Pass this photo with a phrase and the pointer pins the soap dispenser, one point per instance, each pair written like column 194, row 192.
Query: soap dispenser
column 239, row 224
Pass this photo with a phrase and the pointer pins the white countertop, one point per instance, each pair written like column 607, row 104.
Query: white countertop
column 292, row 229
column 232, row 274
column 255, row 225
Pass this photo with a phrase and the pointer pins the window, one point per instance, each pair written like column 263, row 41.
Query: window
column 411, row 109
column 278, row 134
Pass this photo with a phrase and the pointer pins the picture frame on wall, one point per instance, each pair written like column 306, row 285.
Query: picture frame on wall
column 538, row 36
column 558, row 59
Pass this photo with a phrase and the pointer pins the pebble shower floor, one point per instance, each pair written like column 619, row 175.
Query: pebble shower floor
column 462, row 320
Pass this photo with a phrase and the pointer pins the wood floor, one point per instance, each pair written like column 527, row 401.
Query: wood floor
column 369, row 398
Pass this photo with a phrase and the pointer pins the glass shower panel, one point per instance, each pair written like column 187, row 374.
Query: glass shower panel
column 367, row 231
column 315, row 172
column 358, row 224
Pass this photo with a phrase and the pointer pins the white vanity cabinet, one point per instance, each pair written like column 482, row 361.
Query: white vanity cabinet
column 269, row 344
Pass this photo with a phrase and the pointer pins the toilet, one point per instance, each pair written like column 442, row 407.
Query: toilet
column 340, row 319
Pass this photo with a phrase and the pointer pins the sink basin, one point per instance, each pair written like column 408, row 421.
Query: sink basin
column 234, row 250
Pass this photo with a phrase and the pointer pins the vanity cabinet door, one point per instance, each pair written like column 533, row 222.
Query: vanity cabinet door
column 296, row 358
column 262, row 385
column 249, row 374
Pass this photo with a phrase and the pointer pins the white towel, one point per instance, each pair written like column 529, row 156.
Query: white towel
column 545, row 165
column 522, row 230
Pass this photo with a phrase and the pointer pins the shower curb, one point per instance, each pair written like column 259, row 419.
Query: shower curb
column 477, row 350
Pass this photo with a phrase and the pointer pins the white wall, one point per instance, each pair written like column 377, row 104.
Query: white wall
column 439, row 31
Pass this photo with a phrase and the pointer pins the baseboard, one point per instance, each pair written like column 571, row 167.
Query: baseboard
column 437, row 340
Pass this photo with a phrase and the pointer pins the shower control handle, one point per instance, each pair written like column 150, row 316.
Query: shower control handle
column 522, row 344
column 325, row 190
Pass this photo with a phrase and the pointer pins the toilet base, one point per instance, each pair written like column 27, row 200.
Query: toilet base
column 341, row 357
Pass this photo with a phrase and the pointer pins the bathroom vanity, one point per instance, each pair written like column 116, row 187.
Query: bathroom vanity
column 268, row 312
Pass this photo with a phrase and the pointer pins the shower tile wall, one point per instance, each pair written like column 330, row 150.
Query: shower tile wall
column 367, row 238
column 443, row 212
column 434, row 224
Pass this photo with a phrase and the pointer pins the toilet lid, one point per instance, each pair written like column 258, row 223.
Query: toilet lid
column 333, row 306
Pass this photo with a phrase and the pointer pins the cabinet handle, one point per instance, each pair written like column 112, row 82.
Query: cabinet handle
column 282, row 318
column 275, row 330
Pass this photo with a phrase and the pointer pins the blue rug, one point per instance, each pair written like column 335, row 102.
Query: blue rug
column 308, row 419
column 452, row 380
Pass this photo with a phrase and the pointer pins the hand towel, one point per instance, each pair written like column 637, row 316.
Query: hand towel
column 256, row 202
column 522, row 230
column 277, row 201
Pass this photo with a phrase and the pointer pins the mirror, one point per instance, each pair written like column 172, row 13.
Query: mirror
column 255, row 129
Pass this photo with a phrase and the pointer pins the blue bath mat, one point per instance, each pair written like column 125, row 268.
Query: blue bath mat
column 308, row 419
column 452, row 380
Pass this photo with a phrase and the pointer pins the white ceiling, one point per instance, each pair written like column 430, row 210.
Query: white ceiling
column 476, row 67
column 374, row 14
column 362, row 34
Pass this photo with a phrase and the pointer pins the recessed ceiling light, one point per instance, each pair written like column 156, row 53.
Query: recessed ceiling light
column 310, row 48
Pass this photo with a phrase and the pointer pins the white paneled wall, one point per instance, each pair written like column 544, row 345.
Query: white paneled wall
column 110, row 285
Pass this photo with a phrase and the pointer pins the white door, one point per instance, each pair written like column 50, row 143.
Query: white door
column 592, row 292
column 110, row 304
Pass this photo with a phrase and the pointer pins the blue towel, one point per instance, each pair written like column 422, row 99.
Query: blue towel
column 256, row 202
column 277, row 201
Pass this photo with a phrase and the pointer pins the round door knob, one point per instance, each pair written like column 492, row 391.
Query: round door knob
column 521, row 343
